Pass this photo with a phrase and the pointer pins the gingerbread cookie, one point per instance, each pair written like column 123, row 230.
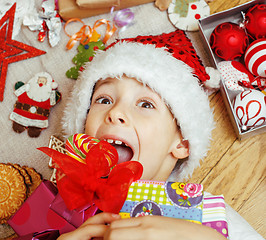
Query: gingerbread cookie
column 13, row 191
column 36, row 179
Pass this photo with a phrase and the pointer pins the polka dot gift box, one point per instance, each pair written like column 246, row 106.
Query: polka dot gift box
column 175, row 199
column 35, row 214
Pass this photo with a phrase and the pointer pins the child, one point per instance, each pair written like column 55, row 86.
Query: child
column 148, row 104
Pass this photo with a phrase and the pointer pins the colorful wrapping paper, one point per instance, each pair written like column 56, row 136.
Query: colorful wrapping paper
column 170, row 199
column 214, row 214
column 178, row 200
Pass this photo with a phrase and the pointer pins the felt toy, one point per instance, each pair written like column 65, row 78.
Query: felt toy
column 184, row 14
column 233, row 73
column 229, row 41
column 97, row 179
column 32, row 108
column 11, row 50
column 250, row 109
column 85, row 54
column 255, row 57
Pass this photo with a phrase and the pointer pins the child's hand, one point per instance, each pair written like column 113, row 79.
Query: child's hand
column 156, row 227
column 94, row 227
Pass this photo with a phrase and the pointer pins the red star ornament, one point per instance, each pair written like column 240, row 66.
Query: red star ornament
column 11, row 50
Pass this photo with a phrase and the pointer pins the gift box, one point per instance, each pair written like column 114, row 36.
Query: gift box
column 35, row 214
column 170, row 199
column 206, row 27
column 74, row 217
column 185, row 201
column 70, row 9
column 214, row 214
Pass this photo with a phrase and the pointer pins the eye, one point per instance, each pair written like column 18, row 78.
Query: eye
column 145, row 104
column 103, row 100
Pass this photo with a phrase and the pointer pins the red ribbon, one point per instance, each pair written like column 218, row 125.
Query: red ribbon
column 80, row 184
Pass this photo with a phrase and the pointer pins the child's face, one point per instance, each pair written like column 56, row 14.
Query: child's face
column 137, row 122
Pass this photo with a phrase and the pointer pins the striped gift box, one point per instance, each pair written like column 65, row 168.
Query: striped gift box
column 214, row 214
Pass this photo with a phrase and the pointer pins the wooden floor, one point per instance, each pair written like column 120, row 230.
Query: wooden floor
column 235, row 168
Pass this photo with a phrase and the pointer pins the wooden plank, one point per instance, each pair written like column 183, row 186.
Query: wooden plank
column 254, row 209
column 240, row 171
column 223, row 137
column 218, row 5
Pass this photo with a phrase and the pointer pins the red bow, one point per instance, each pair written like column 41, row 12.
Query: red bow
column 80, row 184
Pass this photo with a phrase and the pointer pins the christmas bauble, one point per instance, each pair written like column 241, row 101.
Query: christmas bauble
column 255, row 57
column 250, row 108
column 256, row 21
column 228, row 41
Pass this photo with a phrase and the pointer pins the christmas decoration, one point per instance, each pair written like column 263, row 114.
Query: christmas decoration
column 88, row 184
column 12, row 50
column 23, row 8
column 228, row 41
column 233, row 73
column 255, row 58
column 32, row 107
column 47, row 20
column 184, row 14
column 255, row 21
column 85, row 54
column 250, row 109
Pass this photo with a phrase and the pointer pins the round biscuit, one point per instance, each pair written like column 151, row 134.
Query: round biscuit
column 13, row 190
column 24, row 173
column 36, row 179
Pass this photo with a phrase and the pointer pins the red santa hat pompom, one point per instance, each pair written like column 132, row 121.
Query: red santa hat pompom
column 169, row 65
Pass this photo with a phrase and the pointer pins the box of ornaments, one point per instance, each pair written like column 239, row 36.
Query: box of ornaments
column 235, row 40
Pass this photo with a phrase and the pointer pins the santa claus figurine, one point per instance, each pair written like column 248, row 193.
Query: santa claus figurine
column 32, row 107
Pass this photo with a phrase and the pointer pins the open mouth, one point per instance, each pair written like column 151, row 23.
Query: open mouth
column 125, row 152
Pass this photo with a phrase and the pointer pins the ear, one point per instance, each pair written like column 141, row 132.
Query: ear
column 181, row 150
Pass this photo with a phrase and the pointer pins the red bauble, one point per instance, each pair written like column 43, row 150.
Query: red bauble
column 256, row 21
column 228, row 41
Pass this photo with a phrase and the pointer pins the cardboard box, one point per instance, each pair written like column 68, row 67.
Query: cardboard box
column 206, row 27
column 69, row 9
column 35, row 214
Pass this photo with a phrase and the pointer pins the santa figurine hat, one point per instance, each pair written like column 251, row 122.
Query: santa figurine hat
column 169, row 65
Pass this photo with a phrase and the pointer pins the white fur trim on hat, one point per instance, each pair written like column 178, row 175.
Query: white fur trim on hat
column 170, row 78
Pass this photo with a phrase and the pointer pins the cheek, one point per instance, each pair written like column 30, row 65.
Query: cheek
column 90, row 125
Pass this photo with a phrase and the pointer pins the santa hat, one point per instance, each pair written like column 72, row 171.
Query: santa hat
column 159, row 62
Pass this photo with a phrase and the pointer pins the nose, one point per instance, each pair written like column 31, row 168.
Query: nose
column 117, row 115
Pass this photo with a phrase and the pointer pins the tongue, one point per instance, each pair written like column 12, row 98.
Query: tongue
column 124, row 153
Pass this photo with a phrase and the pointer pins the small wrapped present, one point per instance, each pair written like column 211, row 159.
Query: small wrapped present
column 70, row 9
column 74, row 217
column 170, row 199
column 214, row 214
column 35, row 214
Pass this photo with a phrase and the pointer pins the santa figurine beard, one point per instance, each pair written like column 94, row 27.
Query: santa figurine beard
column 35, row 99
